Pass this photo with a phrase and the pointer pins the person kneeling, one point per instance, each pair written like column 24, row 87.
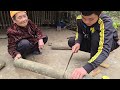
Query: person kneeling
column 24, row 37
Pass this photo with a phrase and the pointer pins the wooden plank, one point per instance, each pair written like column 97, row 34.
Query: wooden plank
column 105, row 65
column 96, row 72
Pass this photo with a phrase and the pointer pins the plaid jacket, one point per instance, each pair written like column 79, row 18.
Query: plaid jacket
column 16, row 33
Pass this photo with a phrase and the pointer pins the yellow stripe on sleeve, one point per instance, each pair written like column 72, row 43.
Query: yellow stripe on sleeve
column 101, row 42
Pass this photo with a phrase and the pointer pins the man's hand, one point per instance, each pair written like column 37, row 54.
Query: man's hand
column 78, row 73
column 18, row 56
column 75, row 48
column 40, row 44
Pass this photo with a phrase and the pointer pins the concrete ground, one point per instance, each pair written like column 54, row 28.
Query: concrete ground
column 57, row 59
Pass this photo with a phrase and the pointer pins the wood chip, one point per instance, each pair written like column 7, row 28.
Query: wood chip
column 105, row 65
column 96, row 72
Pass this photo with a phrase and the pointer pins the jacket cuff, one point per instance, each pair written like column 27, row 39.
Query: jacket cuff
column 41, row 37
column 14, row 55
column 88, row 67
column 77, row 41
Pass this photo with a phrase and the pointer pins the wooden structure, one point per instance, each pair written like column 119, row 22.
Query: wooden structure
column 41, row 18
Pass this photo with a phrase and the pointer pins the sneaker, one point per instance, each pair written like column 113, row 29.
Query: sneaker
column 24, row 57
column 36, row 52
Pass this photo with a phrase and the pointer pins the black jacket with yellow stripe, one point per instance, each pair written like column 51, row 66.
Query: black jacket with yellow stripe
column 106, row 33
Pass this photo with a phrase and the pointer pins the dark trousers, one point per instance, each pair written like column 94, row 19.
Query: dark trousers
column 89, row 46
column 25, row 47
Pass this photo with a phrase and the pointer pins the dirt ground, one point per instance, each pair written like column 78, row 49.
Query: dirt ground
column 57, row 59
